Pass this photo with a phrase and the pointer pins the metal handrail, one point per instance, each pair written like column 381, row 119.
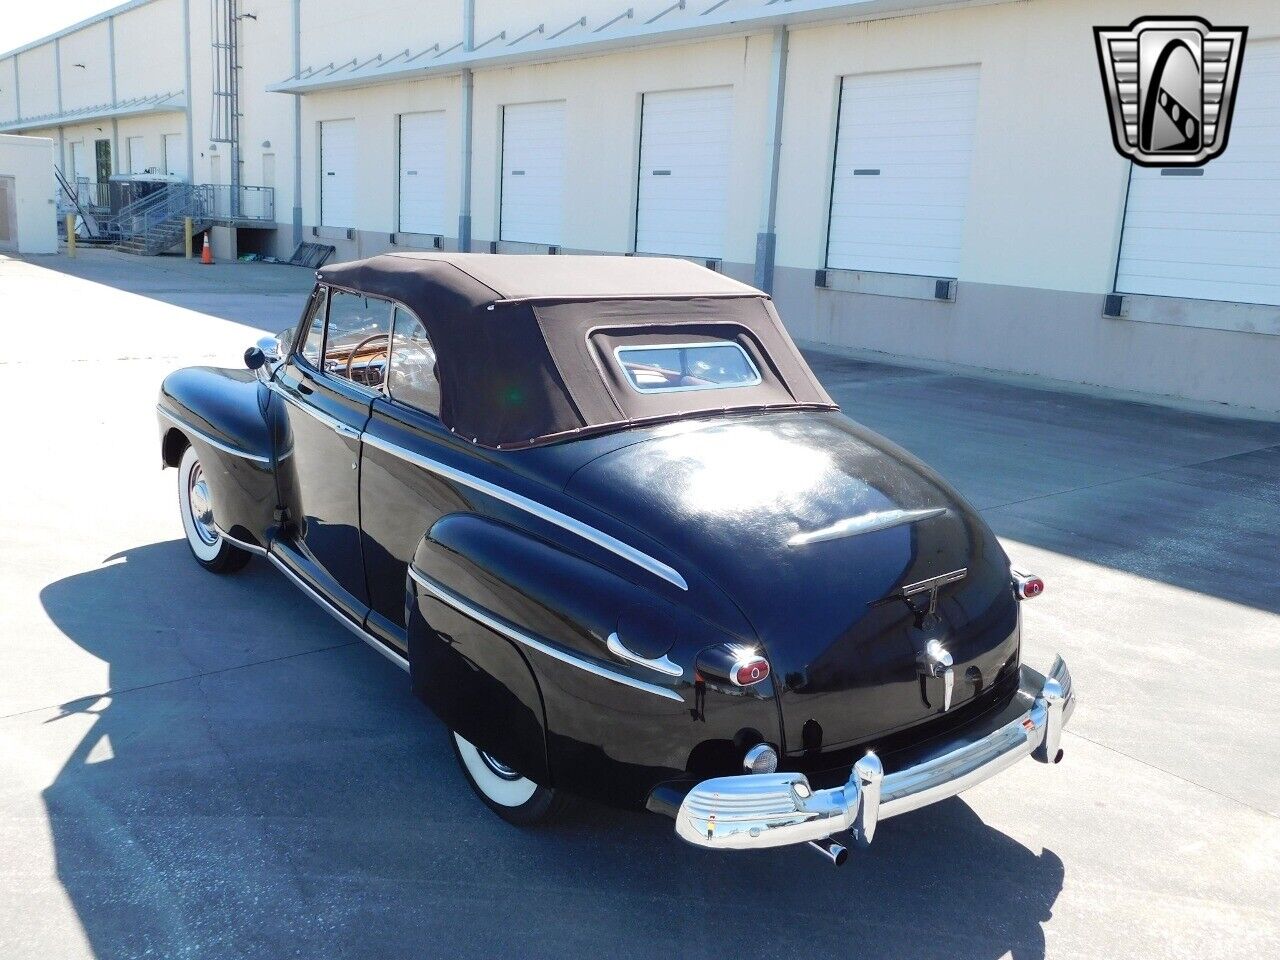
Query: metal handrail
column 171, row 203
column 242, row 202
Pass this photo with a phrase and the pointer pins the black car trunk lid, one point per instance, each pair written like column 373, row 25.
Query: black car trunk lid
column 848, row 556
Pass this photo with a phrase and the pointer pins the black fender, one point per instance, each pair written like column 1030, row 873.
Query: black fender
column 508, row 644
column 221, row 413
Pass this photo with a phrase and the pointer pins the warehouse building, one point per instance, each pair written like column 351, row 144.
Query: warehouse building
column 925, row 179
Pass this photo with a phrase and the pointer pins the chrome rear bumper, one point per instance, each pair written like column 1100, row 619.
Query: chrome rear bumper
column 753, row 811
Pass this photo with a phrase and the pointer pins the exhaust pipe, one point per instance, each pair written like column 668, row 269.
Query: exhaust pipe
column 833, row 851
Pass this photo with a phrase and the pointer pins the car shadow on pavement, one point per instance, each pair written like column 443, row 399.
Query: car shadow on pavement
column 259, row 784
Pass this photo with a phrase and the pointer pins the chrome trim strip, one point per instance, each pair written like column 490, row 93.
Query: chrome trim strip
column 565, row 522
column 333, row 423
column 338, row 615
column 213, row 442
column 242, row 544
column 479, row 614
column 868, row 523
column 663, row 664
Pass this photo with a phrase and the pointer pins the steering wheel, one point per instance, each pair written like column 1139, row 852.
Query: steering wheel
column 356, row 349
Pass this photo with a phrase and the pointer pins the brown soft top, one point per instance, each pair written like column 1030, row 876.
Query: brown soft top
column 529, row 277
column 525, row 343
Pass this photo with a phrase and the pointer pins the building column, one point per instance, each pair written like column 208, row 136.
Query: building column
column 57, row 69
column 115, row 124
column 297, row 125
column 767, row 238
column 468, row 106
column 186, row 66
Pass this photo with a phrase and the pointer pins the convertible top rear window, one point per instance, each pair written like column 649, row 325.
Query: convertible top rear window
column 668, row 367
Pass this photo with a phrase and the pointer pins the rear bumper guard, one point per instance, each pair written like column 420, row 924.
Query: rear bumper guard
column 755, row 811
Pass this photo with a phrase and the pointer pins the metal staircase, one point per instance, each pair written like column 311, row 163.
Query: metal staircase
column 156, row 222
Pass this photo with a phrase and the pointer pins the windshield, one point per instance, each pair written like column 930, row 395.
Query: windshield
column 663, row 368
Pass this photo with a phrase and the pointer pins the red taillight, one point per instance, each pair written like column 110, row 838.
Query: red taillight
column 749, row 671
column 1026, row 585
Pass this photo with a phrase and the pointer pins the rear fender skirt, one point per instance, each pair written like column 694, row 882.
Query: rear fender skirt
column 220, row 413
column 509, row 642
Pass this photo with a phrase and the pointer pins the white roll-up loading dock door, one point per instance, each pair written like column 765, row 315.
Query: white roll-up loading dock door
column 682, row 201
column 79, row 164
column 532, row 208
column 422, row 173
column 338, row 173
column 900, row 188
column 1213, row 232
column 175, row 154
column 137, row 149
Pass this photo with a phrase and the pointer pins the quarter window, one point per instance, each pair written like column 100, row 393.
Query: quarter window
column 413, row 378
column 314, row 324
column 357, row 339
column 668, row 367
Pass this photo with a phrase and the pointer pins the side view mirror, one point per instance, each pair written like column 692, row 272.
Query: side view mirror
column 254, row 358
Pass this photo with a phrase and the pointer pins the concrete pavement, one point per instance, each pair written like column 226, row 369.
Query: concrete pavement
column 198, row 766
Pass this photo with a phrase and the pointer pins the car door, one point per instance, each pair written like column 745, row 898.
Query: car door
column 399, row 500
column 327, row 386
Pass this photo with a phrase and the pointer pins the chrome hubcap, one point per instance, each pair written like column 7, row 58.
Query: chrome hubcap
column 201, row 507
column 498, row 767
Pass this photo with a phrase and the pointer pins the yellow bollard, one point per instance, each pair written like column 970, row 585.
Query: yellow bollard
column 71, row 234
column 187, row 227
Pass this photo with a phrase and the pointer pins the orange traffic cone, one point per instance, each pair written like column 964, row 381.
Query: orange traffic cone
column 206, row 255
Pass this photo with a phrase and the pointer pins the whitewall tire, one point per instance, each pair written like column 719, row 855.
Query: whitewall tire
column 515, row 798
column 211, row 550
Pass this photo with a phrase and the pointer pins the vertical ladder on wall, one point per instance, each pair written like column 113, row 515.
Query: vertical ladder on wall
column 225, row 33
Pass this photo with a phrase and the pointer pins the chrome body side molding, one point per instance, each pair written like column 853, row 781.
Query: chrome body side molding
column 868, row 523
column 212, row 441
column 242, row 544
column 540, row 510
column 512, row 632
column 338, row 615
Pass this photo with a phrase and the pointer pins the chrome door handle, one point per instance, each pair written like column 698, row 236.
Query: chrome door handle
column 663, row 664
column 344, row 431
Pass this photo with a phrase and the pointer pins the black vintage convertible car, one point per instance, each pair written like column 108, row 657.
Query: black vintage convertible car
column 623, row 542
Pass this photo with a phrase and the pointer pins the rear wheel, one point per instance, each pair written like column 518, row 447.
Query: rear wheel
column 211, row 550
column 514, row 798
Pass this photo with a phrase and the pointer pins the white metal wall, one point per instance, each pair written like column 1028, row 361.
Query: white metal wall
column 1213, row 233
column 683, row 184
column 904, row 150
column 423, row 149
column 338, row 173
column 532, row 172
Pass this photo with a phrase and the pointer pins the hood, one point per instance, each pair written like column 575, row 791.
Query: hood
column 813, row 526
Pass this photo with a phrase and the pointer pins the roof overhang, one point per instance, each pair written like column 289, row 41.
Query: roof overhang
column 681, row 22
column 155, row 103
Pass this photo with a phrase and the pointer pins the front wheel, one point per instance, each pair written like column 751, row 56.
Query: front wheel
column 514, row 798
column 211, row 550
